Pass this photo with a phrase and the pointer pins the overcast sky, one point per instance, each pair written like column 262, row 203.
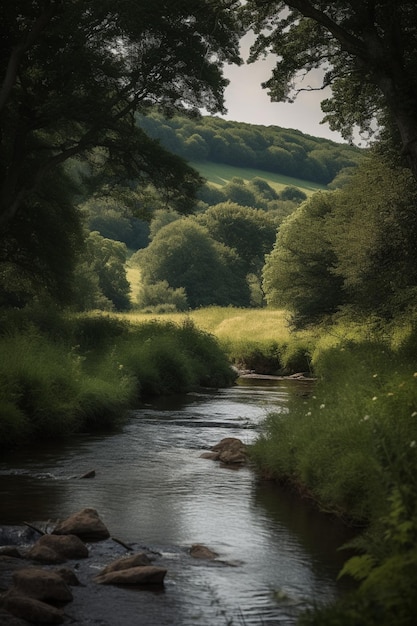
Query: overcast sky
column 246, row 101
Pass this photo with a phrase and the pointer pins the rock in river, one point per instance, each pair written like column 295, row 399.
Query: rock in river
column 86, row 524
column 56, row 549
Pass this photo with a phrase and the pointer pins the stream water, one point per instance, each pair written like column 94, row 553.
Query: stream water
column 277, row 555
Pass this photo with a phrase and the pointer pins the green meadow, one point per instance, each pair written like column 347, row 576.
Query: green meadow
column 220, row 174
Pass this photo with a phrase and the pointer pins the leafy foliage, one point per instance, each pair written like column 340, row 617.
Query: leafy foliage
column 161, row 298
column 354, row 247
column 364, row 50
column 185, row 255
column 50, row 112
column 100, row 276
column 38, row 247
column 249, row 232
column 298, row 273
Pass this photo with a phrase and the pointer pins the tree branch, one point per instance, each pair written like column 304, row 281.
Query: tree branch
column 18, row 52
column 349, row 42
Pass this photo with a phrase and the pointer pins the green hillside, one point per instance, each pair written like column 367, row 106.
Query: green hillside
column 286, row 152
column 220, row 174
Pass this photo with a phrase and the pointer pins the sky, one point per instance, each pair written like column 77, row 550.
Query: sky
column 246, row 101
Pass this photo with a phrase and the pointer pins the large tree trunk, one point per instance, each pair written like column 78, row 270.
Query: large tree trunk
column 402, row 103
column 407, row 126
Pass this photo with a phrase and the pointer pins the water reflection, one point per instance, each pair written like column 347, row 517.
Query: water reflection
column 152, row 488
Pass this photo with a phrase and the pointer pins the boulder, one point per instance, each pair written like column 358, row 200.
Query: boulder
column 231, row 450
column 58, row 548
column 198, row 551
column 32, row 610
column 137, row 560
column 68, row 576
column 8, row 619
column 40, row 584
column 10, row 551
column 210, row 455
column 86, row 524
column 142, row 575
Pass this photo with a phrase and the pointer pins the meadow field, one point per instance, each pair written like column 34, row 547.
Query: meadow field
column 220, row 174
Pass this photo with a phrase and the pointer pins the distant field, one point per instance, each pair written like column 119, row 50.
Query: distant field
column 220, row 174
column 229, row 323
column 134, row 277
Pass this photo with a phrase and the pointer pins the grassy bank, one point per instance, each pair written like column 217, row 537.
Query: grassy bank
column 352, row 447
column 253, row 339
column 61, row 374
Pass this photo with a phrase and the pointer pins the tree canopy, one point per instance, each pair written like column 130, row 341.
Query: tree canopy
column 366, row 50
column 249, row 232
column 72, row 75
column 354, row 248
column 183, row 254
column 299, row 272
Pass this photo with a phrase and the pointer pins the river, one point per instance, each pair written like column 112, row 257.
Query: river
column 277, row 554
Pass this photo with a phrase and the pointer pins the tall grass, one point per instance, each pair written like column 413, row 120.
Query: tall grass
column 83, row 372
column 352, row 447
column 354, row 437
column 253, row 339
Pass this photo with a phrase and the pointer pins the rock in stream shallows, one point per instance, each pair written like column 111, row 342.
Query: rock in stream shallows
column 38, row 594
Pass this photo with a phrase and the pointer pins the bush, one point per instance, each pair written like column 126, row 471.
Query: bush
column 40, row 381
column 259, row 357
column 162, row 298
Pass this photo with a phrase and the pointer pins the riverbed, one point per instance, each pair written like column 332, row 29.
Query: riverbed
column 277, row 554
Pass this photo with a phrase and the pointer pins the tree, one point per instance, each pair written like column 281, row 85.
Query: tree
column 251, row 233
column 161, row 218
column 73, row 74
column 101, row 275
column 353, row 247
column 106, row 216
column 32, row 265
column 236, row 191
column 373, row 230
column 299, row 273
column 365, row 48
column 183, row 254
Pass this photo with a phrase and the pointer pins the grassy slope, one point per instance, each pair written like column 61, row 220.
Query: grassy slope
column 219, row 174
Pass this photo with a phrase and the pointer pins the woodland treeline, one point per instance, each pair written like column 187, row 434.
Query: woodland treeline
column 270, row 148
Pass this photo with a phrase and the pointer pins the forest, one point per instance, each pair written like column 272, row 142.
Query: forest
column 120, row 200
